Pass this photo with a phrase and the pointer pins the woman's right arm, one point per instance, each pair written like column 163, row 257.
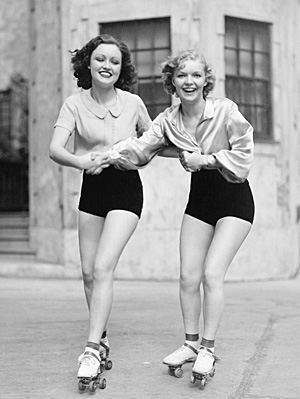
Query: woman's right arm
column 59, row 154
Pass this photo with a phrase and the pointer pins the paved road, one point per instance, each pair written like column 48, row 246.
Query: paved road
column 44, row 328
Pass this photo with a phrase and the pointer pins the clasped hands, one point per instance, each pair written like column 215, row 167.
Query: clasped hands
column 192, row 161
column 95, row 162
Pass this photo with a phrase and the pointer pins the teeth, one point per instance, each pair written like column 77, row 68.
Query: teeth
column 105, row 73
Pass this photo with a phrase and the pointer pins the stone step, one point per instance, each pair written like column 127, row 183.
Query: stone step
column 16, row 249
column 19, row 219
column 14, row 233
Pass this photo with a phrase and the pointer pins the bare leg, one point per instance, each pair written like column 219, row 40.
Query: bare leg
column 117, row 230
column 195, row 239
column 229, row 235
column 90, row 229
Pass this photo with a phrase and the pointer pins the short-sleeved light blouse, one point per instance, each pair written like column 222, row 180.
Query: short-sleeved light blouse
column 97, row 128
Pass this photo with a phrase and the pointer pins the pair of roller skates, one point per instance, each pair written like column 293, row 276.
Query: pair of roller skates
column 204, row 363
column 92, row 367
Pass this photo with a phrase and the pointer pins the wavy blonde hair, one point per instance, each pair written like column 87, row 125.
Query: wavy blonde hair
column 172, row 63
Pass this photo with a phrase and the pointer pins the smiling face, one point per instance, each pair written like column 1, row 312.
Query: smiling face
column 189, row 80
column 105, row 65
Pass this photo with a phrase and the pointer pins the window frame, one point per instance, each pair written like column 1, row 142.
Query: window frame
column 254, row 80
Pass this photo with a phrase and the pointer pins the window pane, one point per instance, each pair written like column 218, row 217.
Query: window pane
column 247, row 92
column 246, row 37
column 232, row 89
column 261, row 39
column 159, row 57
column 122, row 31
column 144, row 37
column 144, row 63
column 245, row 63
column 261, row 122
column 161, row 97
column 231, row 62
column 161, row 35
column 145, row 90
column 261, row 65
column 262, row 93
column 152, row 110
column 160, row 108
column 4, row 114
column 249, row 113
column 230, row 35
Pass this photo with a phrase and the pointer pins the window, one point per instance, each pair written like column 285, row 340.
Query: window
column 5, row 115
column 247, row 69
column 149, row 43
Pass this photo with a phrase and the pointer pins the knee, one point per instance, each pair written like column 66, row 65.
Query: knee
column 189, row 282
column 212, row 280
column 87, row 278
column 102, row 272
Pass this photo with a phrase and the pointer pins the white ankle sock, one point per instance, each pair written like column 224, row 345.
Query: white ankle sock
column 95, row 351
column 194, row 344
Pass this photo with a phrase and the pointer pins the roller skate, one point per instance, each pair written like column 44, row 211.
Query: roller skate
column 89, row 373
column 185, row 354
column 104, row 354
column 106, row 364
column 204, row 366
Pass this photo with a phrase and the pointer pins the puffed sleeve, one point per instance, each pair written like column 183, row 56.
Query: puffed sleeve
column 66, row 117
column 138, row 152
column 237, row 161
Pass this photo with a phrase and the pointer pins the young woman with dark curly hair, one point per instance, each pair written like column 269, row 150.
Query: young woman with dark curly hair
column 214, row 142
column 110, row 205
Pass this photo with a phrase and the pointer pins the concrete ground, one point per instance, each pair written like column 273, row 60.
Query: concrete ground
column 44, row 328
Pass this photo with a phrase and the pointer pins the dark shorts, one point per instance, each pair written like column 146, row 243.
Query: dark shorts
column 212, row 198
column 110, row 190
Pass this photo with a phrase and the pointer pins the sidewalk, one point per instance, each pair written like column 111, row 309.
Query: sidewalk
column 44, row 329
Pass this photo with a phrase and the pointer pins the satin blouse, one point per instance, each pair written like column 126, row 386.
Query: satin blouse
column 222, row 132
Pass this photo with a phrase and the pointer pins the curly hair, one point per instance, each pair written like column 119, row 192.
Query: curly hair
column 172, row 63
column 81, row 61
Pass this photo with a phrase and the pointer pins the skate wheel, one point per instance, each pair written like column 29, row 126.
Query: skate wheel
column 178, row 373
column 192, row 379
column 212, row 373
column 92, row 386
column 108, row 365
column 203, row 382
column 81, row 386
column 102, row 384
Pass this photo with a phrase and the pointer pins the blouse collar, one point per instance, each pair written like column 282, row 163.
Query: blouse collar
column 209, row 110
column 101, row 111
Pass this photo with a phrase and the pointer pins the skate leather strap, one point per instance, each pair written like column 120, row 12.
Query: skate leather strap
column 217, row 359
column 191, row 348
column 104, row 346
column 88, row 353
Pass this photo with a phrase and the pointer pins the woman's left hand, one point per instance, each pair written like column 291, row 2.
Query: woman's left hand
column 104, row 161
column 192, row 161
